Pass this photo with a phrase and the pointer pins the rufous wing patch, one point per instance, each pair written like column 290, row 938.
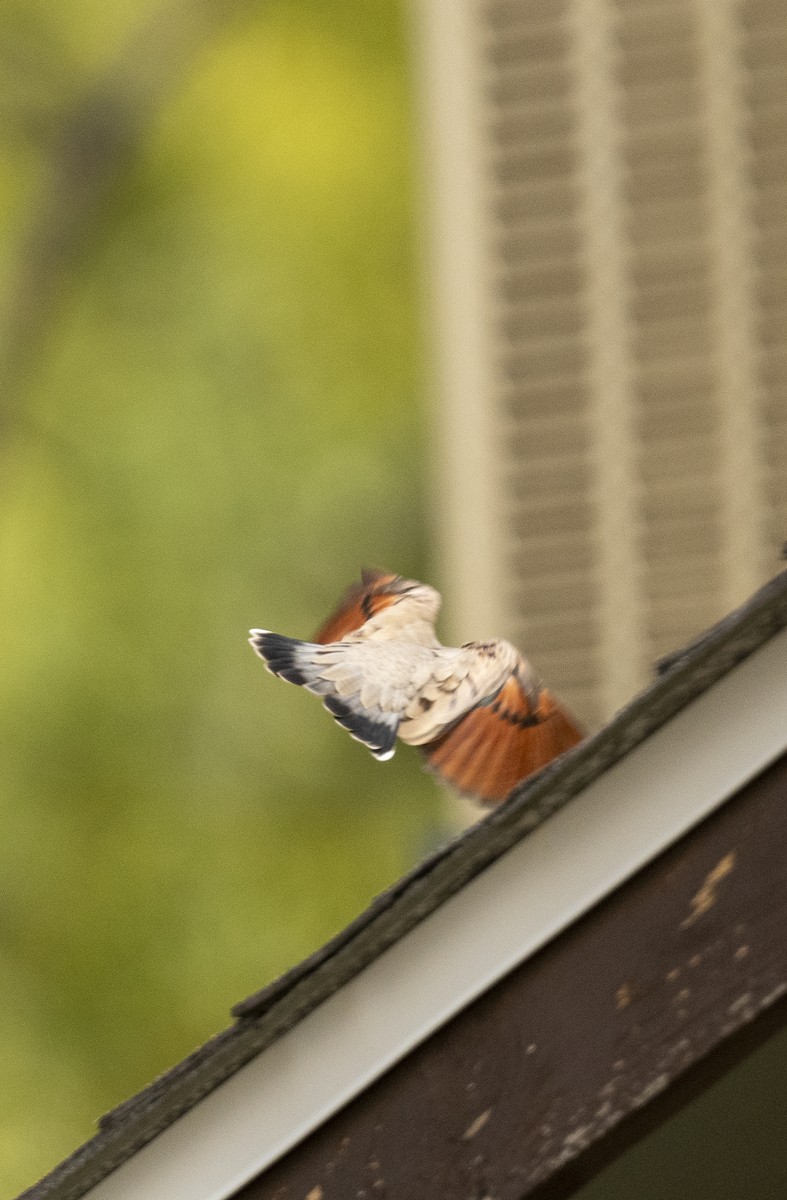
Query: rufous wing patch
column 495, row 746
column 360, row 602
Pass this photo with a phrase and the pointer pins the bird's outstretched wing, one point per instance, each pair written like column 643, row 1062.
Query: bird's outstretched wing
column 376, row 591
column 377, row 690
column 366, row 703
column 491, row 749
column 477, row 712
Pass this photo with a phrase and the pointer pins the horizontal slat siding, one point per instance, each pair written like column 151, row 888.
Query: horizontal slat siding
column 673, row 321
column 671, row 288
column 764, row 40
column 537, row 277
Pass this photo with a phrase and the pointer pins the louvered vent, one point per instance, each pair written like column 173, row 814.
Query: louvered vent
column 764, row 65
column 611, row 233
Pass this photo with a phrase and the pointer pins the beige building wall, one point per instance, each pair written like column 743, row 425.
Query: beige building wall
column 608, row 196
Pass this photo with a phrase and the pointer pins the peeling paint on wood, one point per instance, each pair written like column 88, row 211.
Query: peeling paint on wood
column 555, row 1070
column 477, row 1125
column 705, row 898
column 623, row 996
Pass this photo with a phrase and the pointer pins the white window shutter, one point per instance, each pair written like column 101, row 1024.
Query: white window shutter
column 608, row 187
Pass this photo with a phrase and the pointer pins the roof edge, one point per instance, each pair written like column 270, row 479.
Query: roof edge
column 266, row 1015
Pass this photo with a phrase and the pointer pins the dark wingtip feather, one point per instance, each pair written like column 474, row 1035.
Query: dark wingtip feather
column 377, row 736
column 278, row 653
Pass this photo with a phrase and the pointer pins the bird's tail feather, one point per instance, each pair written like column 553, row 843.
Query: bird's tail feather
column 494, row 747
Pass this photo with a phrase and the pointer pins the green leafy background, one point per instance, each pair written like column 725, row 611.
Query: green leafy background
column 212, row 416
column 212, row 413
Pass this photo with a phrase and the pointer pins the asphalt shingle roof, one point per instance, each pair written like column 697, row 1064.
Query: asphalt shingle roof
column 265, row 1016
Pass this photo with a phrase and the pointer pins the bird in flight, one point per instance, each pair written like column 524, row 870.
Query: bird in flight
column 479, row 714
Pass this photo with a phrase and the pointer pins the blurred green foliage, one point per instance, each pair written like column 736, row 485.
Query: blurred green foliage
column 218, row 419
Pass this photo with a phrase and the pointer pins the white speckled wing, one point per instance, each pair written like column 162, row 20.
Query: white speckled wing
column 460, row 680
column 378, row 689
column 366, row 686
column 482, row 719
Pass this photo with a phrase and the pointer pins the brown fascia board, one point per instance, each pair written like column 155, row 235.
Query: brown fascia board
column 265, row 1016
column 585, row 1047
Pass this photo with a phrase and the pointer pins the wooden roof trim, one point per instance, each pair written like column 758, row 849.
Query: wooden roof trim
column 498, row 920
column 582, row 1049
column 267, row 1016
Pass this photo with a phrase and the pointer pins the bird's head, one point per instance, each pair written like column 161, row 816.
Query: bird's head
column 420, row 598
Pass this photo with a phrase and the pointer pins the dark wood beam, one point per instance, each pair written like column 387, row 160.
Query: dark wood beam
column 615, row 1025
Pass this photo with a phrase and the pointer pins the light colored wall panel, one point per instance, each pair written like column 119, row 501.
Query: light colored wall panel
column 613, row 320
